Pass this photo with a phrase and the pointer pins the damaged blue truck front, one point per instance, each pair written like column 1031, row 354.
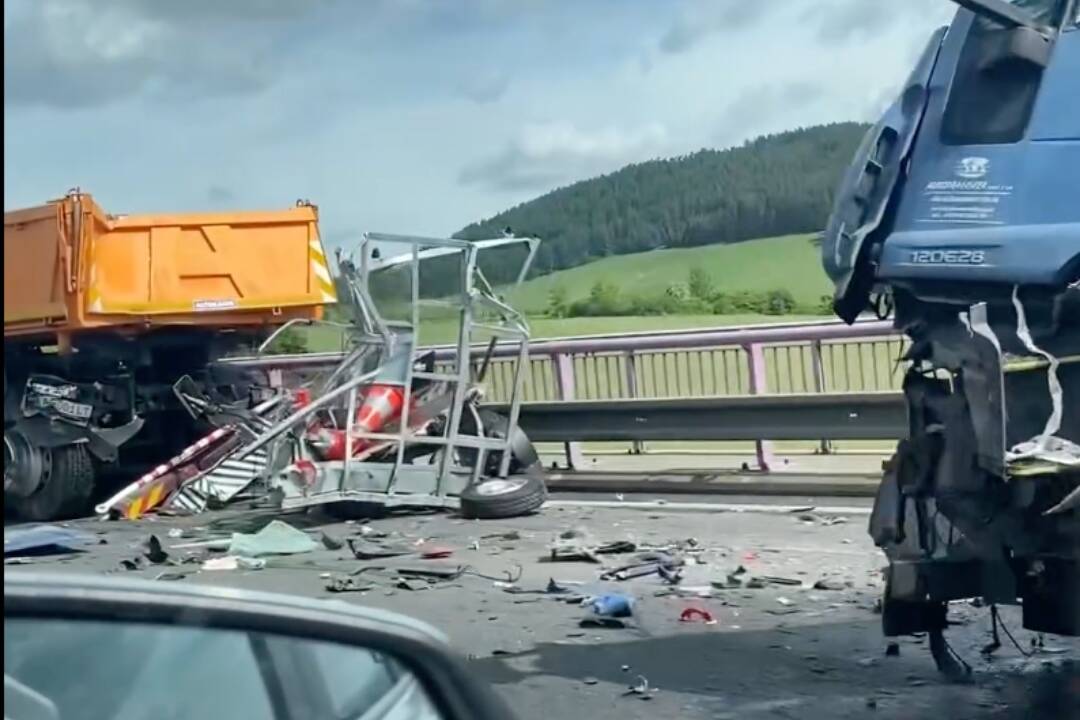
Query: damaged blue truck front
column 960, row 216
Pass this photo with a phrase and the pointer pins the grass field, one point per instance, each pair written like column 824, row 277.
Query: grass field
column 790, row 262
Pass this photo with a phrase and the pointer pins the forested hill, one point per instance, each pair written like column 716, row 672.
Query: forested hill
column 774, row 185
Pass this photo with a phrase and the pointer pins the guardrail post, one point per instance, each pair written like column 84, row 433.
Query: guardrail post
column 759, row 386
column 818, row 368
column 637, row 447
column 564, row 381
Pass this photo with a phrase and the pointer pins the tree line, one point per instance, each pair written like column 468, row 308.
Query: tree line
column 778, row 184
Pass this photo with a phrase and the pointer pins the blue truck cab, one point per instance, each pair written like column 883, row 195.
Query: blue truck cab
column 973, row 174
column 960, row 218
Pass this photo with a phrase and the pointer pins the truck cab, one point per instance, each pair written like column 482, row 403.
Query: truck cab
column 960, row 218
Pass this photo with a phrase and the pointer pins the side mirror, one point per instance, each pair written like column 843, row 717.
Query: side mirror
column 1023, row 45
column 97, row 648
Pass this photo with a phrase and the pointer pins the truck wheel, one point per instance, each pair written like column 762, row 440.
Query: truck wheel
column 508, row 497
column 65, row 492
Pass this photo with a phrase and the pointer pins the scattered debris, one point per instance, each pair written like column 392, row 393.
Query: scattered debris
column 692, row 614
column 827, row 584
column 330, row 542
column 346, row 583
column 227, row 562
column 170, row 576
column 277, row 538
column 46, row 540
column 650, row 563
column 612, row 605
column 370, row 550
column 774, row 580
column 436, row 553
column 154, row 552
column 509, row 535
column 590, row 681
column 641, row 689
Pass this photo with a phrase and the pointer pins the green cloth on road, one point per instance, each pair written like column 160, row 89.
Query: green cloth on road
column 277, row 538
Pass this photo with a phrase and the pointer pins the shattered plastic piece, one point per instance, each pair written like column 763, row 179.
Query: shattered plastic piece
column 46, row 540
column 330, row 542
column 691, row 614
column 364, row 550
column 277, row 538
column 617, row 547
column 154, row 552
column 170, row 576
column 403, row 583
column 344, row 583
column 613, row 605
column 641, row 689
column 774, row 580
column 436, row 553
column 228, row 562
column 827, row 584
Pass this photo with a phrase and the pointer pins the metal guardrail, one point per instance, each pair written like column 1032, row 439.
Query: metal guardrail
column 722, row 364
column 837, row 416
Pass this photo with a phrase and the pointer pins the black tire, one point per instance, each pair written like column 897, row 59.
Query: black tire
column 67, row 490
column 518, row 495
column 523, row 454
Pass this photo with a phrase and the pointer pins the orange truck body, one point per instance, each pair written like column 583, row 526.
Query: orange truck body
column 69, row 267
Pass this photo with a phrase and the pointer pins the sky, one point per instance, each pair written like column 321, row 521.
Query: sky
column 418, row 116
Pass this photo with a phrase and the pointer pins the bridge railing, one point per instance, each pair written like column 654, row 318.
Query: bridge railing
column 793, row 358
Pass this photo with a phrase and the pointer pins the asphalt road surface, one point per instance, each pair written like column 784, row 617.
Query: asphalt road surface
column 777, row 651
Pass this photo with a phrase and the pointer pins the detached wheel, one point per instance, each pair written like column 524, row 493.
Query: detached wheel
column 67, row 485
column 508, row 497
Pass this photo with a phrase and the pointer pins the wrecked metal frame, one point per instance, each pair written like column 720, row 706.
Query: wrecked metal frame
column 348, row 475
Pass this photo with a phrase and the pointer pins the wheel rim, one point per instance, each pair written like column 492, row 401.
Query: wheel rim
column 490, row 488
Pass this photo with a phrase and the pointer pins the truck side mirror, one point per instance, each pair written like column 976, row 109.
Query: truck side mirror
column 1019, row 45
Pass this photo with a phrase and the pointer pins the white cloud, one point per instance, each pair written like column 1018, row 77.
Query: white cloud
column 548, row 154
column 408, row 115
column 700, row 18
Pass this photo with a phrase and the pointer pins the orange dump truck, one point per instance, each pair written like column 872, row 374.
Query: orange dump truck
column 104, row 313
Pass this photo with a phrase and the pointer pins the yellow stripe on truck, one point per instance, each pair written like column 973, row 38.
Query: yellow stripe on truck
column 320, row 272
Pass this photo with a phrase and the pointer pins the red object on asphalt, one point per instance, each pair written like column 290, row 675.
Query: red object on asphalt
column 695, row 613
column 436, row 553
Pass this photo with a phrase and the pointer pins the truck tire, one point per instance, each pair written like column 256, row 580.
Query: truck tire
column 67, row 490
column 514, row 496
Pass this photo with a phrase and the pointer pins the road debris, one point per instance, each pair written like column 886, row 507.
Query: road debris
column 641, row 689
column 363, row 549
column 612, row 605
column 40, row 540
column 694, row 614
column 276, row 538
column 436, row 553
column 154, row 552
